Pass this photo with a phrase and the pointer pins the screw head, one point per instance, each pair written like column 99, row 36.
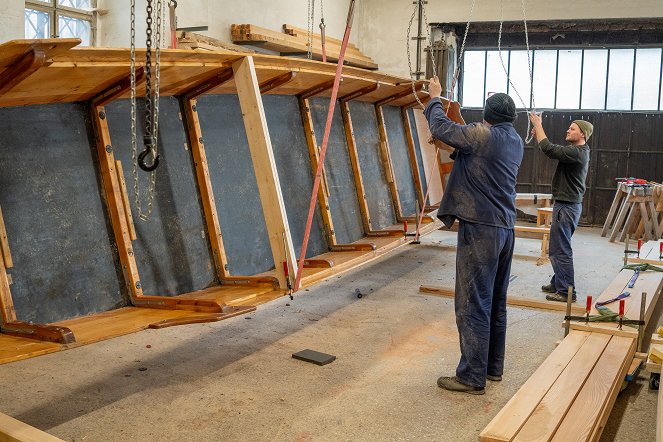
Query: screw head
column 109, row 148
column 194, row 108
column 102, row 115
column 138, row 285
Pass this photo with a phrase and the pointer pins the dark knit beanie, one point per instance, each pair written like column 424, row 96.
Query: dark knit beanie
column 499, row 108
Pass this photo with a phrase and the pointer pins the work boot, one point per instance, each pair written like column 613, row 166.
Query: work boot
column 453, row 384
column 493, row 378
column 559, row 297
column 548, row 288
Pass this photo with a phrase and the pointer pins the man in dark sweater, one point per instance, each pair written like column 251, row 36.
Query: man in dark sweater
column 481, row 194
column 568, row 188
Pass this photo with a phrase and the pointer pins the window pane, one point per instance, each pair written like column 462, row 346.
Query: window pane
column 79, row 4
column 495, row 76
column 568, row 79
column 75, row 28
column 544, row 79
column 620, row 79
column 473, row 75
column 520, row 79
column 647, row 77
column 593, row 79
column 37, row 24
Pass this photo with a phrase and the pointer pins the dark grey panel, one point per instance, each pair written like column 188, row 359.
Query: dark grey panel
column 65, row 259
column 286, row 131
column 234, row 183
column 367, row 139
column 343, row 196
column 393, row 123
column 172, row 248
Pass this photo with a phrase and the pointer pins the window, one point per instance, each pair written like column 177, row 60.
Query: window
column 601, row 79
column 60, row 18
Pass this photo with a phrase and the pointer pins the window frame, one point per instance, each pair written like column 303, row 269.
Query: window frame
column 54, row 9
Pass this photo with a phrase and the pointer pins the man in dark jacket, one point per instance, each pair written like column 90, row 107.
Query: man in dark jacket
column 481, row 194
column 568, row 188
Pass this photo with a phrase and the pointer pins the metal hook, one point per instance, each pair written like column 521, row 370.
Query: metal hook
column 149, row 148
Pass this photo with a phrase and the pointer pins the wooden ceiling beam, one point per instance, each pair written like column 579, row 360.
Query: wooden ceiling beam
column 118, row 89
column 318, row 89
column 358, row 93
column 275, row 82
column 206, row 85
column 22, row 69
column 399, row 95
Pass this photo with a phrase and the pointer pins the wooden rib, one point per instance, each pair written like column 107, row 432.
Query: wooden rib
column 264, row 164
column 323, row 190
column 318, row 263
column 387, row 164
column 365, row 247
column 206, row 85
column 317, row 89
column 7, row 312
column 412, row 155
column 125, row 199
column 205, row 187
column 384, row 233
column 114, row 201
column 118, row 89
column 510, row 419
column 399, row 95
column 228, row 312
column 597, row 397
column 12, row 430
column 358, row 93
column 356, row 168
column 4, row 244
column 22, row 69
column 275, row 82
column 49, row 333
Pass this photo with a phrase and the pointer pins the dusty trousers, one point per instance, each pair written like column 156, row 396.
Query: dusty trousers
column 565, row 220
column 483, row 267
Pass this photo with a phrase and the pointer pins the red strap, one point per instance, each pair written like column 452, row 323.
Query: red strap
column 323, row 147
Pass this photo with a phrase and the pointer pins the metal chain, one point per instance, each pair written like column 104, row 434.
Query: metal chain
column 311, row 20
column 528, row 136
column 462, row 52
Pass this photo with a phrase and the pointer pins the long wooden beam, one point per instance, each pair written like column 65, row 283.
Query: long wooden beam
column 317, row 89
column 412, row 156
column 4, row 244
column 399, row 95
column 275, row 82
column 387, row 163
column 118, row 89
column 264, row 164
column 22, row 69
column 209, row 83
column 358, row 93
column 12, row 430
column 7, row 312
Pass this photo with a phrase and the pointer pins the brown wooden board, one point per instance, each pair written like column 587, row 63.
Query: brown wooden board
column 234, row 183
column 417, row 149
column 365, row 125
column 55, row 216
column 294, row 167
column 343, row 202
column 172, row 249
column 398, row 148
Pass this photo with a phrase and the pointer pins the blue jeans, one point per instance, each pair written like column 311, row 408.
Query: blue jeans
column 483, row 267
column 565, row 219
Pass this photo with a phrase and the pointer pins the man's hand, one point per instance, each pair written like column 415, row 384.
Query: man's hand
column 537, row 126
column 439, row 144
column 434, row 87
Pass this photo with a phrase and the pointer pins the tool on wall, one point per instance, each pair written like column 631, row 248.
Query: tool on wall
column 154, row 22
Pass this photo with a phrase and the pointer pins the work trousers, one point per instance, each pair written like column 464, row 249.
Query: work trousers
column 564, row 222
column 483, row 267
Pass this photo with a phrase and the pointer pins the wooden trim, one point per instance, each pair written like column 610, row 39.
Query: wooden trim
column 317, row 89
column 30, row 63
column 399, row 95
column 40, row 332
column 314, row 156
column 12, row 430
column 205, row 187
column 125, row 200
column 412, row 155
column 386, row 162
column 356, row 167
column 358, row 93
column 4, row 244
column 264, row 164
column 118, row 89
column 7, row 312
column 277, row 81
column 206, row 85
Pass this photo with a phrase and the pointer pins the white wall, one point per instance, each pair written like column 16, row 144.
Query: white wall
column 382, row 31
column 11, row 19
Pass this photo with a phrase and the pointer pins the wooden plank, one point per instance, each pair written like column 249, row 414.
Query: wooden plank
column 516, row 301
column 510, row 419
column 412, row 155
column 4, row 244
column 546, row 417
column 262, row 155
column 356, row 168
column 386, row 161
column 314, row 156
column 583, row 420
column 7, row 312
column 277, row 81
column 12, row 430
column 205, row 187
column 30, row 63
column 125, row 199
column 659, row 416
column 621, row 216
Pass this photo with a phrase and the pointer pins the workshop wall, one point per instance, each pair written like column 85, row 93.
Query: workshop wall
column 11, row 19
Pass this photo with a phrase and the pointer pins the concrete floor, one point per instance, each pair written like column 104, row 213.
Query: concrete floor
column 236, row 380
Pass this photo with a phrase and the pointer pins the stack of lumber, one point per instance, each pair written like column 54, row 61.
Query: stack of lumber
column 570, row 396
column 191, row 40
column 296, row 42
